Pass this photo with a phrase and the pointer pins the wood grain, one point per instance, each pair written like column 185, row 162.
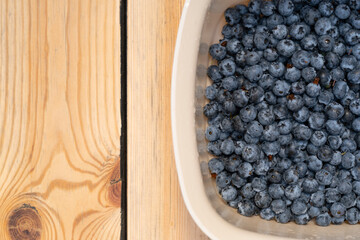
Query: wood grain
column 155, row 206
column 59, row 119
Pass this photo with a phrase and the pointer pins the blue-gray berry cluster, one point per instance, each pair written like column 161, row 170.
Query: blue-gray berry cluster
column 284, row 110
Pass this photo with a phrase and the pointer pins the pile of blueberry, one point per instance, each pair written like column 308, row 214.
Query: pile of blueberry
column 284, row 110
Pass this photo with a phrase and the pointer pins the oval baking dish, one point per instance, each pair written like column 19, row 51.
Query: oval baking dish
column 200, row 26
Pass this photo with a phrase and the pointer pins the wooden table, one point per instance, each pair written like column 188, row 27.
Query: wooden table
column 155, row 207
column 60, row 120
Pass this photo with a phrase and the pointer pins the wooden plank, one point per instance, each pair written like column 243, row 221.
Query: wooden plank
column 59, row 119
column 155, row 206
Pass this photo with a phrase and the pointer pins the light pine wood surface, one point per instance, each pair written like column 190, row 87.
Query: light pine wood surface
column 59, row 120
column 155, row 206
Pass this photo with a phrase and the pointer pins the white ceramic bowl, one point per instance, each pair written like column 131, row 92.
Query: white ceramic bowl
column 200, row 26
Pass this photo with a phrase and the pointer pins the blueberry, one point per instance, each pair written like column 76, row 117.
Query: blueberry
column 253, row 73
column 255, row 129
column 301, row 168
column 301, row 59
column 354, row 4
column 337, row 220
column 285, row 7
column 234, row 203
column 214, row 148
column 316, row 120
column 252, row 58
column 237, row 181
column 211, row 109
column 242, row 8
column 280, row 32
column 270, row 133
column 216, row 165
column 345, row 187
column 325, row 154
column 266, row 81
column 227, row 147
column 352, row 37
column 322, row 26
column 250, row 153
column 302, row 115
column 313, row 211
column 334, row 142
column 291, row 176
column 348, row 63
column 302, row 219
column 323, row 219
column 356, row 125
column 311, row 16
column 293, row 18
column 270, row 98
column 332, row 60
column 334, row 111
column 266, row 117
column 228, row 193
column 212, row 133
column 286, row 48
column 261, row 167
column 354, row 76
column 227, row 67
column 348, row 145
column 249, row 20
column 348, row 160
column 245, row 170
column 261, row 40
column 355, row 20
column 292, row 74
column 292, row 192
column 246, row 191
column 295, row 103
column 232, row 16
column 278, row 206
column 336, row 158
column 237, row 31
column 311, row 149
column 298, row 207
column 355, row 106
column 223, row 179
column 314, row 164
column 317, row 61
column 356, row 51
column 284, row 217
column 284, row 126
column 326, row 8
column 248, row 113
column 233, row 46
column 276, row 69
column 334, row 127
column 298, row 87
column 270, row 54
column 339, row 48
column 302, row 132
column 310, row 185
column 267, row 8
column 325, row 43
column 246, row 208
column 270, row 148
column 214, row 73
column 342, row 11
column 267, row 214
column 298, row 31
column 352, row 215
column 323, row 177
column 332, row 195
